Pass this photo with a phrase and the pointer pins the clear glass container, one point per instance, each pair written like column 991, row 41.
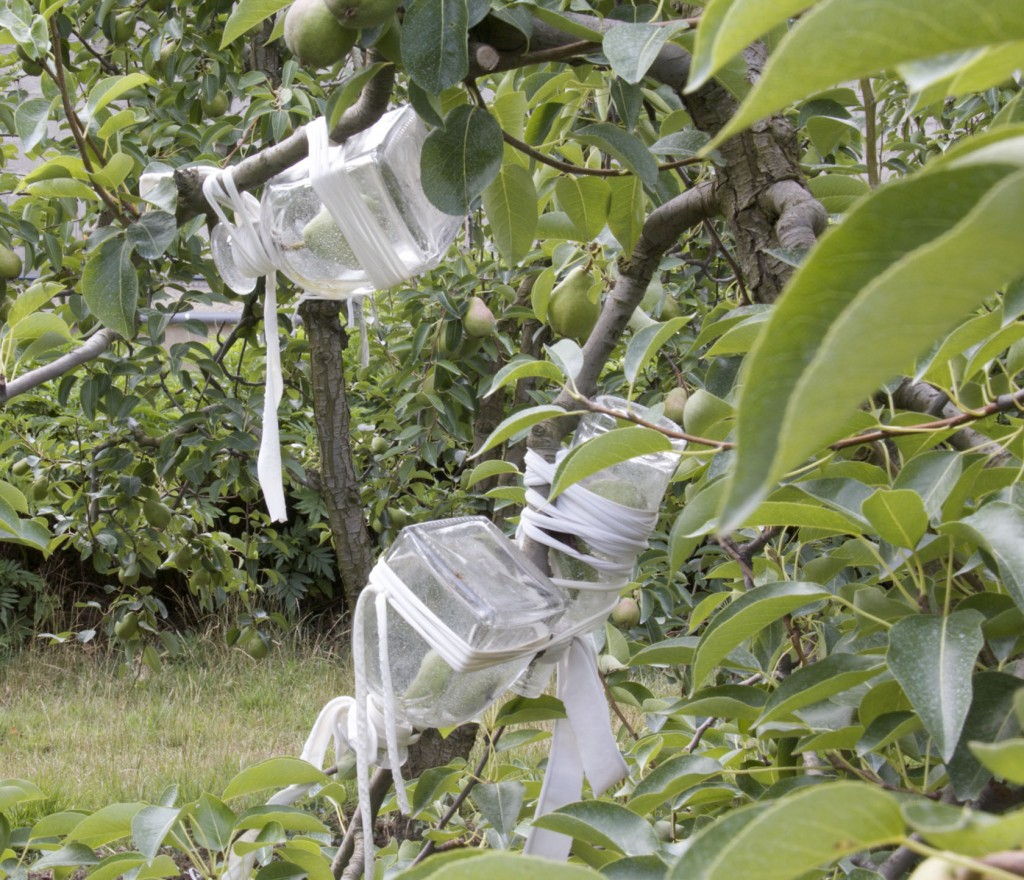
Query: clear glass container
column 480, row 584
column 222, row 248
column 639, row 483
column 384, row 164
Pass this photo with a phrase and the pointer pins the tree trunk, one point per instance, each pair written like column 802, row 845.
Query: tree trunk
column 353, row 545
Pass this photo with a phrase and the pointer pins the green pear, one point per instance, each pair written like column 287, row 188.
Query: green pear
column 675, row 404
column 670, row 308
column 217, row 105
column 10, row 263
column 626, row 613
column 431, row 678
column 478, row 320
column 322, row 236
column 617, row 490
column 314, row 36
column 571, row 311
column 361, row 14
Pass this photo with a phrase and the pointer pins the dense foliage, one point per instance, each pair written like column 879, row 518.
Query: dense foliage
column 824, row 679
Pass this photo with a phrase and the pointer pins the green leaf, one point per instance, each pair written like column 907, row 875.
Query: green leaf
column 997, row 527
column 901, row 270
column 933, row 476
column 835, row 43
column 436, row 862
column 150, row 827
column 1005, row 759
column 964, row 830
column 525, row 710
column 739, row 701
column 646, row 343
column 116, row 866
column 670, row 778
column 287, row 818
column 510, row 202
column 460, row 159
column 605, row 450
column 759, row 840
column 18, row 791
column 110, row 286
column 727, row 27
column 626, row 209
column 932, row 658
column 152, row 234
column 625, row 147
column 62, row 188
column 345, row 95
column 39, row 324
column 676, row 651
column 498, row 866
column 275, row 773
column 898, row 516
column 990, row 719
column 632, row 48
column 745, row 616
column 30, row 118
column 519, row 421
column 500, row 803
column 603, row 824
column 487, row 469
column 246, row 15
column 433, row 784
column 818, row 681
column 585, row 202
column 214, row 823
column 434, row 44
column 71, row 855
column 523, row 369
column 111, row 88
column 112, row 822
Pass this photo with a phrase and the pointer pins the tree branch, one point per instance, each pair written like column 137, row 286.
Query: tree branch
column 257, row 169
column 801, row 217
column 98, row 343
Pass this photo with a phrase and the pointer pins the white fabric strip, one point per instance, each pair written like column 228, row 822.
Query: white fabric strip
column 371, row 245
column 254, row 254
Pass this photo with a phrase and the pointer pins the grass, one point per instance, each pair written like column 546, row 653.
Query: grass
column 88, row 734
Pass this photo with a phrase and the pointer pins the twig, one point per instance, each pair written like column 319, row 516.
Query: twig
column 870, row 132
column 75, row 124
column 570, row 168
column 105, row 62
column 698, row 734
column 615, row 708
column 460, row 798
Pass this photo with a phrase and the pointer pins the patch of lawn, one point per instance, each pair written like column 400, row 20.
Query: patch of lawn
column 89, row 734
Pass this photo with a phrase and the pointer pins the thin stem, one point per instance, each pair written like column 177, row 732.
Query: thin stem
column 870, row 132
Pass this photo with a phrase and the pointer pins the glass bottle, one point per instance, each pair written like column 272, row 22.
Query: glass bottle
column 481, row 586
column 383, row 163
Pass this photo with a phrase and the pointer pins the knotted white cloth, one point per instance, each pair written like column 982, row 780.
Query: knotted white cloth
column 255, row 255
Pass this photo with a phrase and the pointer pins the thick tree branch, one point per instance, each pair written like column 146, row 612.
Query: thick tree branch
column 98, row 343
column 802, row 218
column 257, row 169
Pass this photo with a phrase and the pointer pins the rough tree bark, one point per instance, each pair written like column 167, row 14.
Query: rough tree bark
column 353, row 545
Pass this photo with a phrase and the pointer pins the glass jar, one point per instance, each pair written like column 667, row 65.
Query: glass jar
column 383, row 164
column 481, row 586
column 638, row 483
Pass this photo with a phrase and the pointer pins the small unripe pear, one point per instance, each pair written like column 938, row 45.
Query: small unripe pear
column 670, row 308
column 314, row 36
column 217, row 105
column 626, row 613
column 10, row 263
column 361, row 14
column 675, row 403
column 478, row 320
column 571, row 311
column 322, row 236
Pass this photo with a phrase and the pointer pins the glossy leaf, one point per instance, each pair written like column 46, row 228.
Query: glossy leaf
column 434, row 49
column 931, row 657
column 150, row 827
column 275, row 773
column 632, row 48
column 510, row 202
column 604, row 824
column 246, row 15
column 669, row 779
column 899, row 271
column 760, row 840
column 110, row 286
column 809, row 59
column 460, row 159
column 646, row 343
column 998, row 527
column 818, row 681
column 517, row 422
column 1005, row 759
column 898, row 516
column 585, row 202
column 605, row 450
column 746, row 615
